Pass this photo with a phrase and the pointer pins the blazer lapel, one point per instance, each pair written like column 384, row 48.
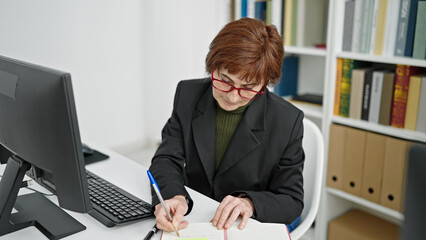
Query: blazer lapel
column 246, row 136
column 204, row 131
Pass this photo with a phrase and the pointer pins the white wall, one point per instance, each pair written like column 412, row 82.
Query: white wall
column 99, row 43
column 125, row 57
column 179, row 36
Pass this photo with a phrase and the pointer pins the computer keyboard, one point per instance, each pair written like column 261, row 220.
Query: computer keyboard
column 114, row 206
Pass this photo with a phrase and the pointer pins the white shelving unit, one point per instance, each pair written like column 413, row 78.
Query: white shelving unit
column 317, row 71
column 310, row 110
column 378, row 128
column 397, row 216
column 309, row 51
column 336, row 202
column 382, row 59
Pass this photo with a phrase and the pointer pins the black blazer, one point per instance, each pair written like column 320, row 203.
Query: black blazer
column 264, row 158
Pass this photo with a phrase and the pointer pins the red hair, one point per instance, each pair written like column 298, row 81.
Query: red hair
column 248, row 48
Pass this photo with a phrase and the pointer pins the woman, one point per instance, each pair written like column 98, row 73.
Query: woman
column 231, row 139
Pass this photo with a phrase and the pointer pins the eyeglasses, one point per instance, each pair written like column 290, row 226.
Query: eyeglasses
column 243, row 92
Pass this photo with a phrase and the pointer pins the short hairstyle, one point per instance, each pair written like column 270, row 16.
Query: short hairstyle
column 249, row 48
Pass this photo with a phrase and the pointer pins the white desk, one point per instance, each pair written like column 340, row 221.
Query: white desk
column 132, row 177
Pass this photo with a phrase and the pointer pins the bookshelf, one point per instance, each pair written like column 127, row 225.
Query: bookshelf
column 390, row 214
column 382, row 59
column 382, row 129
column 308, row 51
column 335, row 202
column 310, row 110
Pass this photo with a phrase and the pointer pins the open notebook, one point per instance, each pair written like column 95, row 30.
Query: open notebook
column 253, row 230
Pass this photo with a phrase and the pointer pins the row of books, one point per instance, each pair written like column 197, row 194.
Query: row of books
column 259, row 9
column 394, row 96
column 288, row 85
column 303, row 21
column 385, row 27
column 367, row 165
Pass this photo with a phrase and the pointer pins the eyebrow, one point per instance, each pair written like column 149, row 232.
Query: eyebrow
column 244, row 85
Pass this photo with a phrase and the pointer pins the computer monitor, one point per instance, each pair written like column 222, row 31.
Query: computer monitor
column 415, row 194
column 39, row 136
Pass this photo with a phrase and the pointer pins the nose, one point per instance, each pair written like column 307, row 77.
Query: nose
column 233, row 96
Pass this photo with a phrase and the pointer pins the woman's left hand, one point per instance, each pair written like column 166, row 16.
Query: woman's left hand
column 230, row 209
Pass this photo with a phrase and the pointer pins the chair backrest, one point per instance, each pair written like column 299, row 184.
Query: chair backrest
column 313, row 145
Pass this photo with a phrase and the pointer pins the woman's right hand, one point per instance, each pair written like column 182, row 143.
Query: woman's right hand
column 177, row 207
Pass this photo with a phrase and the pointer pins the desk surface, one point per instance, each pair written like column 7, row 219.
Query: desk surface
column 132, row 177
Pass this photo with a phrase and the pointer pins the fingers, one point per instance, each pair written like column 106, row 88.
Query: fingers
column 244, row 221
column 230, row 209
column 162, row 219
column 219, row 211
column 246, row 214
column 178, row 215
column 183, row 224
column 239, row 209
column 177, row 207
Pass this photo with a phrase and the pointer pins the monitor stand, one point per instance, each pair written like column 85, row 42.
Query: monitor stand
column 33, row 209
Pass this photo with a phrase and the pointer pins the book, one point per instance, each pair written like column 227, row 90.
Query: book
column 405, row 31
column 375, row 97
column 345, row 86
column 310, row 22
column 410, row 28
column 253, row 230
column 288, row 18
column 289, row 77
column 419, row 48
column 399, row 105
column 251, row 8
column 348, row 25
column 421, row 111
column 337, row 87
column 300, row 16
column 386, row 98
column 260, row 10
column 269, row 13
column 366, row 23
column 283, row 18
column 356, row 97
column 356, row 29
column 308, row 98
column 244, row 4
column 413, row 101
column 380, row 28
column 277, row 14
column 391, row 27
column 294, row 22
column 366, row 95
column 238, row 7
column 374, row 26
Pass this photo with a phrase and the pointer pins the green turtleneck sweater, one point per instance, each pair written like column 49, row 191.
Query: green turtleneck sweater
column 226, row 123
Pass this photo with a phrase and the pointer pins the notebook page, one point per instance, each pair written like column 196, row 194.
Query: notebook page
column 196, row 231
column 256, row 230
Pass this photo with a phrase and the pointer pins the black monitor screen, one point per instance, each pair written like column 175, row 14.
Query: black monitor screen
column 415, row 194
column 38, row 124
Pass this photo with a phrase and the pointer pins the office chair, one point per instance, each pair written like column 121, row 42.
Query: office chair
column 313, row 145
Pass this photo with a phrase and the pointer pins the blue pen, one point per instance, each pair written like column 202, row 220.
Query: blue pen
column 157, row 191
